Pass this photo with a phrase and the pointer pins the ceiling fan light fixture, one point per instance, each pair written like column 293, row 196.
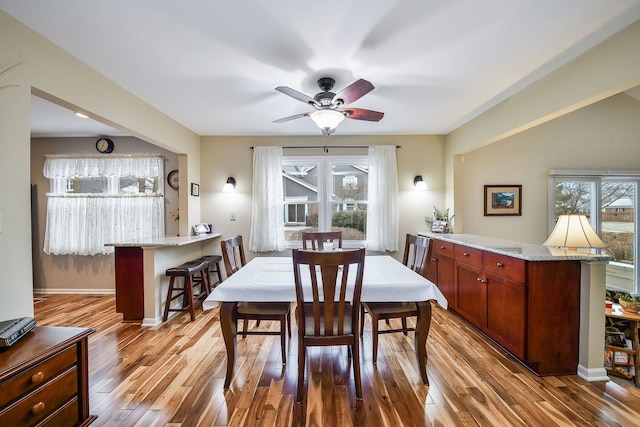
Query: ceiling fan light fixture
column 327, row 119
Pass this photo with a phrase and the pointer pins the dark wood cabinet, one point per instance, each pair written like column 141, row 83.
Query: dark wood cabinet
column 44, row 379
column 129, row 263
column 506, row 313
column 529, row 307
column 470, row 294
column 469, row 285
column 442, row 269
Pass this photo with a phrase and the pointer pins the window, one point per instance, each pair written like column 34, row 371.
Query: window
column 608, row 200
column 325, row 193
column 96, row 200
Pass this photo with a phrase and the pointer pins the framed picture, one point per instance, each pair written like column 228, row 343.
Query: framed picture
column 502, row 200
column 195, row 189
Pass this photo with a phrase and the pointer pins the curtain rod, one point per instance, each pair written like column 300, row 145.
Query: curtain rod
column 326, row 147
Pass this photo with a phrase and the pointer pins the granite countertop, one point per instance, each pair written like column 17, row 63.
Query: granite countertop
column 526, row 251
column 165, row 241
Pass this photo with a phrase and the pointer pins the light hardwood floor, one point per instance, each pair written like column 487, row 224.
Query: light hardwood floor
column 172, row 375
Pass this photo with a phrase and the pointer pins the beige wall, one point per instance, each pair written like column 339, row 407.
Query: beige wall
column 607, row 69
column 52, row 74
column 232, row 156
column 79, row 274
column 47, row 71
column 604, row 135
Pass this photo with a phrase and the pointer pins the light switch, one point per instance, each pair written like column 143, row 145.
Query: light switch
column 232, row 216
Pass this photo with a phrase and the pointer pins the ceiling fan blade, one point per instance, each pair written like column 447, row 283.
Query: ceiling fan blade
column 295, row 116
column 297, row 95
column 362, row 114
column 354, row 91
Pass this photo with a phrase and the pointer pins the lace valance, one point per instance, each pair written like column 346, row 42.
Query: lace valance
column 139, row 165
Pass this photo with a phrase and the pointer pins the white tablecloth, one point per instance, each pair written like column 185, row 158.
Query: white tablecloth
column 270, row 279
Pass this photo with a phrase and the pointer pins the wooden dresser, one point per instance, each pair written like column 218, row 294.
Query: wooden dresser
column 522, row 296
column 44, row 379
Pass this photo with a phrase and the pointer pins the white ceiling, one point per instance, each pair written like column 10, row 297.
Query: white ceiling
column 213, row 65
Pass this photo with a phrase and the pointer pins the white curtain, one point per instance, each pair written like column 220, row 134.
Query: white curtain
column 81, row 224
column 267, row 209
column 382, row 208
column 140, row 165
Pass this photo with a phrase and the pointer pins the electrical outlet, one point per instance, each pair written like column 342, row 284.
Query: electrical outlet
column 232, row 216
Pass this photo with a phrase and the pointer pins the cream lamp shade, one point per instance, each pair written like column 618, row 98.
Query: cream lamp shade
column 574, row 231
column 327, row 119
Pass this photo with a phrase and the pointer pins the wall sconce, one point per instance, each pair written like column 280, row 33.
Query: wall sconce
column 230, row 185
column 572, row 232
column 419, row 184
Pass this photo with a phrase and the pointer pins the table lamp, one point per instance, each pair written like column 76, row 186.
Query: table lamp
column 572, row 232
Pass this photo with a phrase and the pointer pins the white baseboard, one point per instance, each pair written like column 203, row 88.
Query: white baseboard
column 594, row 374
column 75, row 291
column 151, row 321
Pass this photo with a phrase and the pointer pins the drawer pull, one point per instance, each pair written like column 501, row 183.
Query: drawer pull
column 480, row 280
column 442, row 247
column 433, row 260
column 499, row 264
column 37, row 408
column 465, row 254
column 37, row 377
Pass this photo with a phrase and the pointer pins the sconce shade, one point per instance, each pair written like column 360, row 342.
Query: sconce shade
column 574, row 231
column 419, row 183
column 230, row 185
column 327, row 119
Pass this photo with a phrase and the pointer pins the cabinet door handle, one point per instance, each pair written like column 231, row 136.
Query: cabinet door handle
column 433, row 260
column 480, row 280
column 37, row 377
column 37, row 408
column 499, row 264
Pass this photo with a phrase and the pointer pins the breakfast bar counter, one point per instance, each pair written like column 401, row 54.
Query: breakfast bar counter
column 140, row 266
column 542, row 304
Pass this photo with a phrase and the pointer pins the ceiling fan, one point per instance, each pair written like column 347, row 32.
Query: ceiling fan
column 330, row 110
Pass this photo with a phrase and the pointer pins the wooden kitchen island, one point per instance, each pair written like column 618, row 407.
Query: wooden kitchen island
column 141, row 283
column 543, row 305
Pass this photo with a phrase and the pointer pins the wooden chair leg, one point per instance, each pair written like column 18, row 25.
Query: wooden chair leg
column 404, row 325
column 189, row 292
column 245, row 327
column 356, row 368
column 374, row 337
column 301, row 370
column 283, row 339
column 168, row 303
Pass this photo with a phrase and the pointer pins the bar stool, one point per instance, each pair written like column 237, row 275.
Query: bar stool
column 187, row 271
column 214, row 267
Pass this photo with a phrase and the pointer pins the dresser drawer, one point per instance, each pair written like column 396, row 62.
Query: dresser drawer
column 65, row 416
column 44, row 401
column 443, row 248
column 37, row 375
column 505, row 266
column 468, row 255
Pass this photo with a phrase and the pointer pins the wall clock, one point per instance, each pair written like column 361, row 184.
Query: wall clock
column 172, row 179
column 105, row 145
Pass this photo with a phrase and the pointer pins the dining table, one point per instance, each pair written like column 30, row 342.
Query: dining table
column 271, row 279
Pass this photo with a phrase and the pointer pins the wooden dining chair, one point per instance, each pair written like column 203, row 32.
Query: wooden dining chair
column 417, row 252
column 315, row 240
column 327, row 312
column 234, row 259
